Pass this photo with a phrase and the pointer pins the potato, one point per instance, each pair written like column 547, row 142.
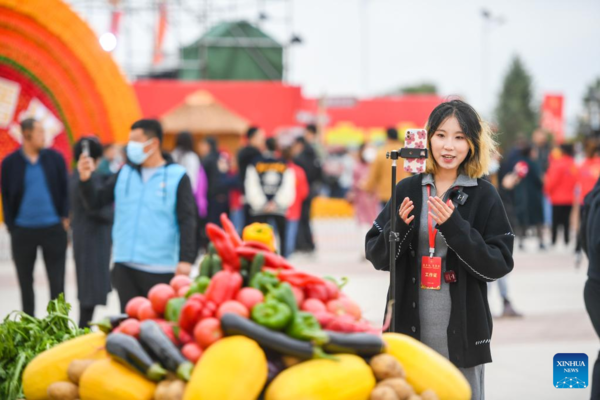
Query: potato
column 402, row 388
column 63, row 391
column 383, row 393
column 386, row 366
column 429, row 394
column 175, row 390
column 76, row 369
column 162, row 390
column 415, row 397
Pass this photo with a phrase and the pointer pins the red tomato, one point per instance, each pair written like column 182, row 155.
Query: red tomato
column 344, row 306
column 145, row 311
column 250, row 297
column 180, row 281
column 299, row 294
column 159, row 295
column 192, row 352
column 134, row 304
column 207, row 332
column 232, row 306
column 182, row 290
column 313, row 306
column 130, row 327
column 324, row 317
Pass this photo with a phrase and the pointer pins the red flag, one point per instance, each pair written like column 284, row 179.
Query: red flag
column 552, row 116
column 160, row 32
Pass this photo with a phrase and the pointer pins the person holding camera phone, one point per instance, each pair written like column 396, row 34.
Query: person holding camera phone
column 454, row 237
column 154, row 231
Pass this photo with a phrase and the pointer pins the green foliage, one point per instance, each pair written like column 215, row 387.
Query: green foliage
column 22, row 337
column 423, row 88
column 515, row 112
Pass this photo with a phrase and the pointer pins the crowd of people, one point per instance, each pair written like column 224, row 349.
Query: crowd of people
column 145, row 210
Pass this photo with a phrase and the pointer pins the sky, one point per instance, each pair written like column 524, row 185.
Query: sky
column 365, row 48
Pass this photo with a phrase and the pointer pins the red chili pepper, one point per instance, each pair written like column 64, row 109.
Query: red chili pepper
column 190, row 315
column 299, row 278
column 224, row 286
column 257, row 245
column 223, row 245
column 228, row 226
column 271, row 260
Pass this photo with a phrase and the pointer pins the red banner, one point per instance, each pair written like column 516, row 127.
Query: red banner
column 552, row 116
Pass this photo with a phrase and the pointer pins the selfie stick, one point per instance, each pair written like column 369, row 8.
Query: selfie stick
column 395, row 236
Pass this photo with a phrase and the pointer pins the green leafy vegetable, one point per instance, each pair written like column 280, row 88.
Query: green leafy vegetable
column 22, row 337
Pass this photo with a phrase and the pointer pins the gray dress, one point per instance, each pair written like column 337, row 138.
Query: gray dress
column 435, row 305
column 92, row 244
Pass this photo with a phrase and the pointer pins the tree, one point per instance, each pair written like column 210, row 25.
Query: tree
column 421, row 88
column 515, row 113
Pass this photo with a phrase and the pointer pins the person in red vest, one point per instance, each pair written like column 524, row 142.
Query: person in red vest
column 560, row 183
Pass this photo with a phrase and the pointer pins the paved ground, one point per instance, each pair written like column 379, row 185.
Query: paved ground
column 544, row 286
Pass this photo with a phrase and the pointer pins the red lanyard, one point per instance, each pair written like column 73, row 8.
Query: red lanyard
column 432, row 232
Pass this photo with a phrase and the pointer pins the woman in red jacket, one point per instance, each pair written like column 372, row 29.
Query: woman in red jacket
column 560, row 183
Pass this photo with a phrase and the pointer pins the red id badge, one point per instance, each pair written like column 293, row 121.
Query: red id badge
column 431, row 273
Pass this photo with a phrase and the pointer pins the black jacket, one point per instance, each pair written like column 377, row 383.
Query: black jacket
column 95, row 197
column 590, row 226
column 480, row 245
column 13, row 178
column 246, row 156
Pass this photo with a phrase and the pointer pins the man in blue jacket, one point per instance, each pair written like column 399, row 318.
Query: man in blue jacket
column 35, row 203
column 155, row 213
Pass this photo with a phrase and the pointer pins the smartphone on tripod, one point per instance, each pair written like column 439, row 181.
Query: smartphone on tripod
column 415, row 150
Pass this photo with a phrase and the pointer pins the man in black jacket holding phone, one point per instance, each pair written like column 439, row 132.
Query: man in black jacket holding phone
column 36, row 207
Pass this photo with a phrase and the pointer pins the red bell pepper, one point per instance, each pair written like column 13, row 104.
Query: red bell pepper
column 191, row 313
column 223, row 245
column 209, row 310
column 228, row 226
column 271, row 260
column 224, row 286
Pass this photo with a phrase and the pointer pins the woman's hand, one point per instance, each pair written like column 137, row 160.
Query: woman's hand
column 405, row 208
column 442, row 211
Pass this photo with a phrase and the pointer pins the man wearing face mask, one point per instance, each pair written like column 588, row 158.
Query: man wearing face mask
column 155, row 213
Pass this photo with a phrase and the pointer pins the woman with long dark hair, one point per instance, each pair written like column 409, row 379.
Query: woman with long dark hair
column 454, row 237
column 92, row 240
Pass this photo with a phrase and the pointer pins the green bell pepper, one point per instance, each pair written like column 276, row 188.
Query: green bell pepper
column 199, row 286
column 284, row 293
column 173, row 309
column 272, row 314
column 263, row 280
column 304, row 326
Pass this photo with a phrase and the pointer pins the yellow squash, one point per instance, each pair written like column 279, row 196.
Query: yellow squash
column 427, row 369
column 108, row 380
column 52, row 365
column 350, row 378
column 234, row 368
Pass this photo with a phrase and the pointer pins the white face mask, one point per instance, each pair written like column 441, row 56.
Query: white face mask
column 369, row 154
column 135, row 152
